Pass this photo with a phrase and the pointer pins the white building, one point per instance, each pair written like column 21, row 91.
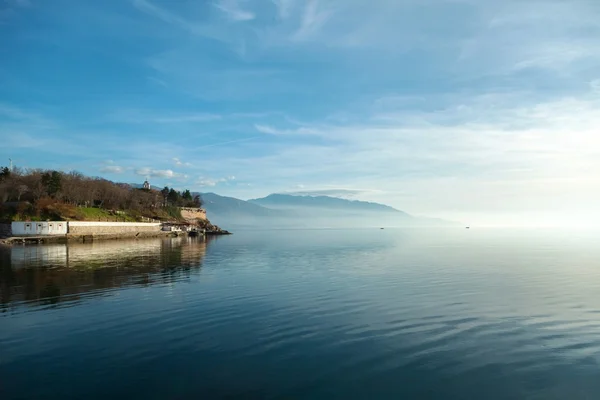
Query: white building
column 38, row 228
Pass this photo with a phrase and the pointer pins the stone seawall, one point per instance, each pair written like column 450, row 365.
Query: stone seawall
column 113, row 228
column 125, row 235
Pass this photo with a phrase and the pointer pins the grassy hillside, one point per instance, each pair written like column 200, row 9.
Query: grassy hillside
column 39, row 195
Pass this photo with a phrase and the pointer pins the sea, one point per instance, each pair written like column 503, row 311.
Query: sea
column 305, row 314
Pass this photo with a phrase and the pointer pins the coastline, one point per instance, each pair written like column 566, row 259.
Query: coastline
column 88, row 237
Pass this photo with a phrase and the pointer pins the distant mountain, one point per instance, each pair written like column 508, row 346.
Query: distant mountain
column 229, row 211
column 324, row 203
column 289, row 211
column 230, row 206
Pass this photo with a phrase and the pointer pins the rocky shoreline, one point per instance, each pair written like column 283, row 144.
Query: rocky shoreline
column 210, row 229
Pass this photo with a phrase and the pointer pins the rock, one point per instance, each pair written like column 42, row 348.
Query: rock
column 211, row 229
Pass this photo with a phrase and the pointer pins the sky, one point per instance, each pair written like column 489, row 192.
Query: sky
column 482, row 111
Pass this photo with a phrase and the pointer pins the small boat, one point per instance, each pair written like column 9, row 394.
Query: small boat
column 468, row 227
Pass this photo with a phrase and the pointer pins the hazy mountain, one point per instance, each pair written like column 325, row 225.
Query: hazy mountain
column 289, row 211
column 229, row 211
column 326, row 204
column 222, row 205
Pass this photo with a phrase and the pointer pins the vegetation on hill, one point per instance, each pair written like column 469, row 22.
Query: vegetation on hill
column 35, row 194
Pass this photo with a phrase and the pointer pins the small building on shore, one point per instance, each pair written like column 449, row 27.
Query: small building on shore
column 177, row 227
column 39, row 228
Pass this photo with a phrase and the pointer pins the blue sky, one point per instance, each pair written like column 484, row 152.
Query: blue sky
column 478, row 110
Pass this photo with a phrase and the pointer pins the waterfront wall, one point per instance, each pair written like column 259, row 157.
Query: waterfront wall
column 112, row 228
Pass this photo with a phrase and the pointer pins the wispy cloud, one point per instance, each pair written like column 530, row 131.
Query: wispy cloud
column 595, row 86
column 112, row 169
column 26, row 117
column 157, row 173
column 145, row 117
column 233, row 11
column 333, row 192
column 210, row 182
column 247, row 139
column 157, row 81
column 172, row 18
column 162, row 14
column 284, row 7
column 313, row 19
column 269, row 130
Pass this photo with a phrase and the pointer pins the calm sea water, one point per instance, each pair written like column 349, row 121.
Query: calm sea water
column 323, row 314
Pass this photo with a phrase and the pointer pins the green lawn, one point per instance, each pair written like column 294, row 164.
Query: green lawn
column 99, row 214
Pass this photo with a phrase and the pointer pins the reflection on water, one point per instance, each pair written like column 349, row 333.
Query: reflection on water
column 324, row 314
column 59, row 273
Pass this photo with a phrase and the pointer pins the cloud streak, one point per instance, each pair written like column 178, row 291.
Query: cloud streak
column 232, row 9
column 146, row 117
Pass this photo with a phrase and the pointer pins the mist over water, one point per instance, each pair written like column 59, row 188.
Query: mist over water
column 305, row 314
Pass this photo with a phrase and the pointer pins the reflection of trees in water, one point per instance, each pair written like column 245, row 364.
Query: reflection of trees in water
column 50, row 274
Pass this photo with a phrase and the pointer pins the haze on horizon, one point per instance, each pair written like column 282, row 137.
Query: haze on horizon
column 478, row 111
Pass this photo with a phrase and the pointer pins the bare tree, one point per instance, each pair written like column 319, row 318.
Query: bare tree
column 21, row 190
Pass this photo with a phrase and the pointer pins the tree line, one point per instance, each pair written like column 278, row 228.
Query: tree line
column 74, row 188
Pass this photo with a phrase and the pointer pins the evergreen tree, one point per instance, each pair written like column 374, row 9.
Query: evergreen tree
column 52, row 182
column 4, row 173
column 165, row 193
column 173, row 196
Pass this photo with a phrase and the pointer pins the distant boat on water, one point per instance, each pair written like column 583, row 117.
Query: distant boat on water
column 468, row 227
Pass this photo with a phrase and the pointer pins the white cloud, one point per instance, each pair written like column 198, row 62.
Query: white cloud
column 180, row 163
column 112, row 169
column 484, row 158
column 158, row 173
column 206, row 182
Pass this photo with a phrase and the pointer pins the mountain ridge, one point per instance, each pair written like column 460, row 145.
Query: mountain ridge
column 285, row 210
column 281, row 201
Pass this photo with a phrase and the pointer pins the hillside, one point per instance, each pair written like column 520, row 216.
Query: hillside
column 56, row 195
